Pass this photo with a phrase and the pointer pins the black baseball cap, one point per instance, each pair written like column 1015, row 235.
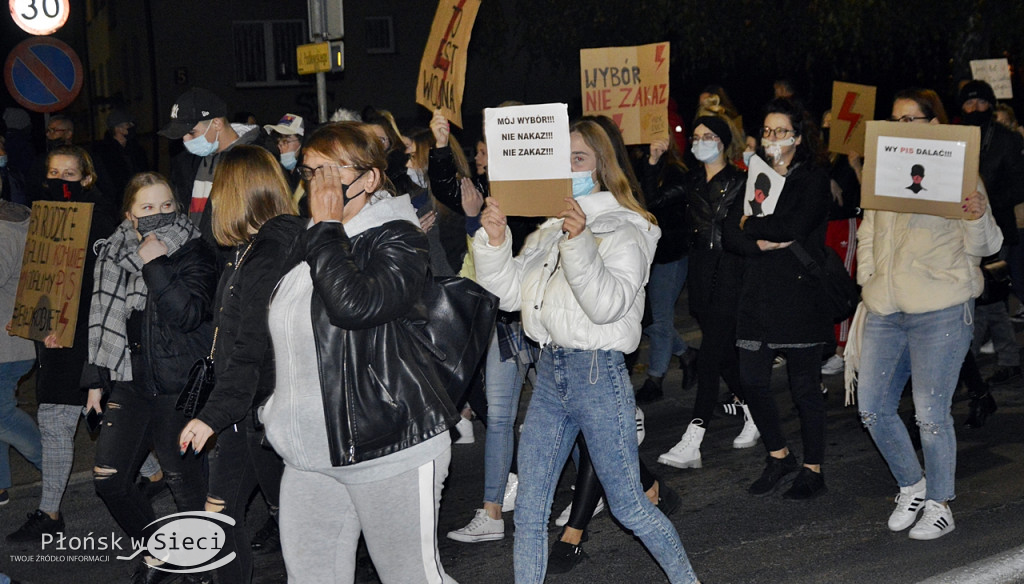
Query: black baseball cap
column 194, row 106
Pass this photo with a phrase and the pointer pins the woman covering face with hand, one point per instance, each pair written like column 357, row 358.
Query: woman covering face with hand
column 579, row 284
column 149, row 321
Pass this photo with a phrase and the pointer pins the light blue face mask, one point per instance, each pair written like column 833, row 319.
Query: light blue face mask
column 582, row 183
column 746, row 158
column 289, row 160
column 705, row 151
column 202, row 147
column 3, row 161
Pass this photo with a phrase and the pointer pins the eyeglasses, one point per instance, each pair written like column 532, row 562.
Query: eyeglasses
column 705, row 138
column 56, row 130
column 767, row 132
column 281, row 142
column 908, row 119
column 306, row 173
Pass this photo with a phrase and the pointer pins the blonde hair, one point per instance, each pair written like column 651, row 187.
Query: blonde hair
column 609, row 173
column 249, row 189
column 712, row 107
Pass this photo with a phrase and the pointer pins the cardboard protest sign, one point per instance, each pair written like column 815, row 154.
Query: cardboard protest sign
column 764, row 186
column 853, row 106
column 51, row 272
column 528, row 154
column 630, row 86
column 995, row 72
column 920, row 168
column 442, row 75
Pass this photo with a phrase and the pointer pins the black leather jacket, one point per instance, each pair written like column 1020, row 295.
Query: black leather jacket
column 377, row 399
column 708, row 204
column 663, row 189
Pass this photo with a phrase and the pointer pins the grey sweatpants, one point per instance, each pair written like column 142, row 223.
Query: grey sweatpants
column 321, row 519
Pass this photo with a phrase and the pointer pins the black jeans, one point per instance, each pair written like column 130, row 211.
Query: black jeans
column 717, row 359
column 238, row 463
column 134, row 422
column 804, row 368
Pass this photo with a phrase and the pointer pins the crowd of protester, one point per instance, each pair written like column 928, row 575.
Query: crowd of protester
column 293, row 252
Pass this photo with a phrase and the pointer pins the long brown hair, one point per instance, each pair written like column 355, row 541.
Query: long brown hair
column 84, row 162
column 926, row 99
column 609, row 174
column 352, row 143
column 249, row 189
column 139, row 182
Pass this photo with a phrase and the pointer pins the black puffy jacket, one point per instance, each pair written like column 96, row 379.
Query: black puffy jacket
column 378, row 397
column 177, row 323
column 244, row 359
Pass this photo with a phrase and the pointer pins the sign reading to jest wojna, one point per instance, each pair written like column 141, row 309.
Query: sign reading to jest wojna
column 442, row 76
column 51, row 271
column 630, row 86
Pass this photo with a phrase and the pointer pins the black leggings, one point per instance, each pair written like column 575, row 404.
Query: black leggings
column 238, row 463
column 717, row 359
column 588, row 488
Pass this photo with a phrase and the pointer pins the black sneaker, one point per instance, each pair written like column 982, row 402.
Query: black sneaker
column 564, row 557
column 267, row 539
column 5, row 498
column 1005, row 375
column 807, row 485
column 668, row 500
column 650, row 392
column 38, row 523
column 774, row 471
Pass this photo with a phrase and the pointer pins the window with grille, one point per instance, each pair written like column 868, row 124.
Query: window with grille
column 265, row 52
column 380, row 35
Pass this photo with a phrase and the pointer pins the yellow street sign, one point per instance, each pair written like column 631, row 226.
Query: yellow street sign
column 314, row 58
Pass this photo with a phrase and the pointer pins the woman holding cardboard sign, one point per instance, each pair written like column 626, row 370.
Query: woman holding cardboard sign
column 920, row 275
column 780, row 306
column 579, row 285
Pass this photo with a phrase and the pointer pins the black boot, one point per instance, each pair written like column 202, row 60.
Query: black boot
column 982, row 406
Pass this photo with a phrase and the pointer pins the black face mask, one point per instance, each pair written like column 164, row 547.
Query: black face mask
column 64, row 190
column 151, row 223
column 344, row 191
column 977, row 118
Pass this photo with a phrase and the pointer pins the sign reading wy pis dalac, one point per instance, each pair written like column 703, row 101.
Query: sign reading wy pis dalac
column 630, row 86
column 442, row 76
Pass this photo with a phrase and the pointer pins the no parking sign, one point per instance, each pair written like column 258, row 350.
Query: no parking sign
column 43, row 74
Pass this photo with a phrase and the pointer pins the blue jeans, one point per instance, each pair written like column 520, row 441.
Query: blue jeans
column 929, row 347
column 663, row 289
column 17, row 428
column 503, row 384
column 589, row 392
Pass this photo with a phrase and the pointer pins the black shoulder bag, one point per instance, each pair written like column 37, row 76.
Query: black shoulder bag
column 841, row 293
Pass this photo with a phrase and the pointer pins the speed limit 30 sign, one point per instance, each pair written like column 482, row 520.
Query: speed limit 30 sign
column 40, row 17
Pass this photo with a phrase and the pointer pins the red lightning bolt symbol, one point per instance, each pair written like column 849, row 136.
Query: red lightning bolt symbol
column 848, row 116
column 659, row 57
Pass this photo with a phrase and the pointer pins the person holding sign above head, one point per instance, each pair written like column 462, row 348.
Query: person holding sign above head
column 781, row 306
column 150, row 319
column 914, row 324
column 714, row 283
column 579, row 283
column 70, row 176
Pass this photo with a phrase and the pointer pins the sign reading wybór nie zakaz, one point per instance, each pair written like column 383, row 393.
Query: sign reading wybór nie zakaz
column 630, row 86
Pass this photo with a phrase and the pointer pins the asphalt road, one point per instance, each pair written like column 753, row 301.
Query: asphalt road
column 730, row 536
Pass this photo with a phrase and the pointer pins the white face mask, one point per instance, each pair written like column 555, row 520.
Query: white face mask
column 773, row 148
column 418, row 177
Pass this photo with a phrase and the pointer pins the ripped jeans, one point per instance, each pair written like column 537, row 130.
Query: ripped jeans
column 930, row 348
column 134, row 422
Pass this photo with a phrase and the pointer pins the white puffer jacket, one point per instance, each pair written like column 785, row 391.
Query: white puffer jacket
column 582, row 293
column 912, row 263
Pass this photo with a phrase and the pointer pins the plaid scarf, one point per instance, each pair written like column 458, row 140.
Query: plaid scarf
column 118, row 289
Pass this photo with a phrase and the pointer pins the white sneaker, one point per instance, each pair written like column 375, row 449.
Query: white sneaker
column 564, row 517
column 778, row 361
column 481, row 528
column 987, row 349
column 465, row 428
column 936, row 521
column 686, row 454
column 834, row 366
column 641, row 430
column 749, row 435
column 508, row 503
column 908, row 504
